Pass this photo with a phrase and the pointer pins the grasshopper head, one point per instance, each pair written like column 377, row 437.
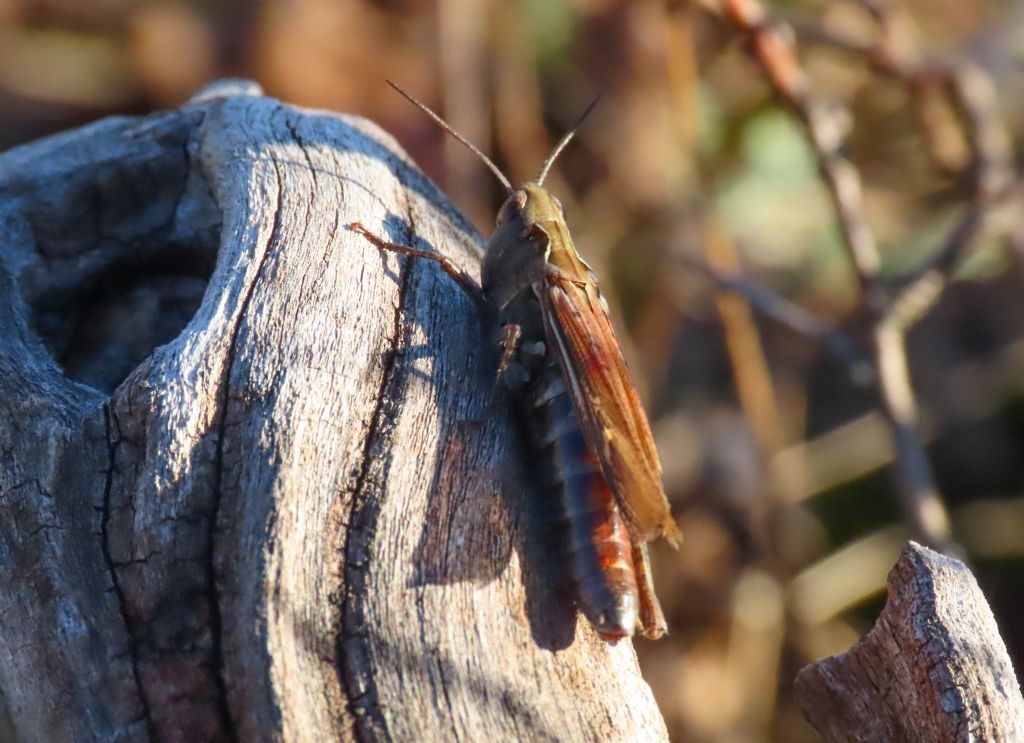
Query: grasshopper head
column 531, row 240
column 530, row 217
column 532, row 204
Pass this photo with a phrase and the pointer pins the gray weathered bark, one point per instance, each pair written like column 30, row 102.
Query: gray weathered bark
column 932, row 669
column 304, row 516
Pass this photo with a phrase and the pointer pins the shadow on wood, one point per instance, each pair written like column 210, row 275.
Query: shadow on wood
column 255, row 484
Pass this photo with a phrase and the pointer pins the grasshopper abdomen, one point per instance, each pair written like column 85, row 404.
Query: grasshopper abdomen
column 598, row 544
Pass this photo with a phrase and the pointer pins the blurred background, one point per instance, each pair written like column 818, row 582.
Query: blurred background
column 688, row 176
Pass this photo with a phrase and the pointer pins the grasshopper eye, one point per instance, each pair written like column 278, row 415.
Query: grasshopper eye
column 512, row 206
column 536, row 237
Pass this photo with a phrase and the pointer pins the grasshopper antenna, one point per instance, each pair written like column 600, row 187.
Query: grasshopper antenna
column 565, row 140
column 447, row 127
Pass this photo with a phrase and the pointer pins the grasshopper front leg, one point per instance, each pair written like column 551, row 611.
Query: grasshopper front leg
column 466, row 282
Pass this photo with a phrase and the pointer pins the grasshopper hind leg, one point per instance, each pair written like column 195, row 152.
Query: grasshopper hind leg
column 651, row 623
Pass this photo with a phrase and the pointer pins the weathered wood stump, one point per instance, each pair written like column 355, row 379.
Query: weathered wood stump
column 254, row 482
column 932, row 669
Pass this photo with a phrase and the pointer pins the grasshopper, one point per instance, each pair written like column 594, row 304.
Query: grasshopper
column 561, row 356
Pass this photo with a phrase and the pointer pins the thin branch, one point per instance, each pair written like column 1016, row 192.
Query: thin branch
column 970, row 92
column 772, row 45
column 921, row 499
column 972, row 95
column 922, row 288
column 791, row 315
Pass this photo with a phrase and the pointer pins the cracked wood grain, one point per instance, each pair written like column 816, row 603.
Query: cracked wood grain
column 254, row 484
column 112, row 568
column 933, row 668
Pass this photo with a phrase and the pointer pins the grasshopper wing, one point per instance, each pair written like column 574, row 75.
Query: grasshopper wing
column 614, row 424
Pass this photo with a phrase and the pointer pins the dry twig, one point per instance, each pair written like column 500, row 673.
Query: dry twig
column 773, row 305
column 970, row 93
